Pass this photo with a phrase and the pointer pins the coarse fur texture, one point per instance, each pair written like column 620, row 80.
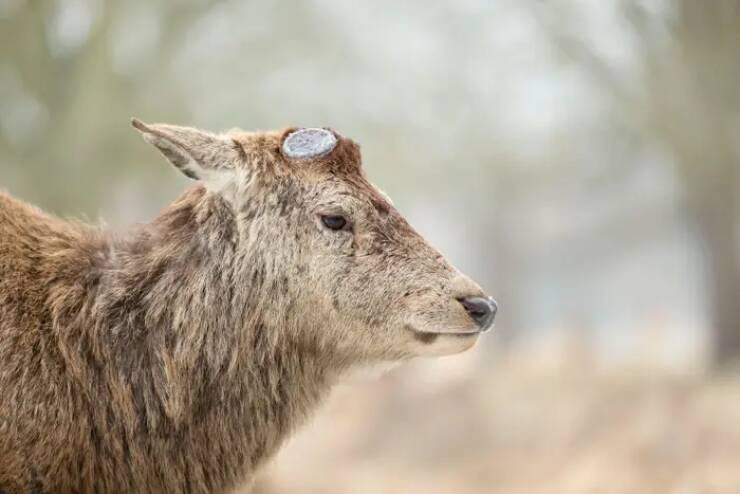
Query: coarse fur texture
column 178, row 357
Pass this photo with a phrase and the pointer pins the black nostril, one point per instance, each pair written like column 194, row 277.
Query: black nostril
column 481, row 309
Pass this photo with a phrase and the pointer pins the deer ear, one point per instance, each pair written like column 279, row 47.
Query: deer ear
column 197, row 154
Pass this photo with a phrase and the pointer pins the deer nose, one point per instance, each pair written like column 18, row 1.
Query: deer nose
column 481, row 309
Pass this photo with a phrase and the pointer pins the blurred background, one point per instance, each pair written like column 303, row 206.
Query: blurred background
column 580, row 159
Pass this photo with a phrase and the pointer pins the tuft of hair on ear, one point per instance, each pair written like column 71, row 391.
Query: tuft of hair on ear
column 198, row 154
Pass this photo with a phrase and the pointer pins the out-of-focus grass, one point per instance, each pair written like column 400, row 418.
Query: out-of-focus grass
column 464, row 426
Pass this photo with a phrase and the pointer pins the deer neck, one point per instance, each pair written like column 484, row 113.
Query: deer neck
column 202, row 376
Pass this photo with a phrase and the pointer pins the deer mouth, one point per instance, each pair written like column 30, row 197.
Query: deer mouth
column 462, row 333
column 444, row 342
column 452, row 332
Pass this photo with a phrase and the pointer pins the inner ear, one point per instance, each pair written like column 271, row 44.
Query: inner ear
column 179, row 159
column 198, row 154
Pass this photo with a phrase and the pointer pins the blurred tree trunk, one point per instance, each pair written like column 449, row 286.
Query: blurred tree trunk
column 713, row 208
column 87, row 102
column 699, row 122
column 684, row 96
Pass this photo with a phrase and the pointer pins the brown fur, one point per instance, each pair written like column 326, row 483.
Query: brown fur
column 177, row 357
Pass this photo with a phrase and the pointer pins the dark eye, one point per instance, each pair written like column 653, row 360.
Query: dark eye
column 335, row 222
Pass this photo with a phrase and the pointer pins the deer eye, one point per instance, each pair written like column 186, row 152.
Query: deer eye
column 335, row 222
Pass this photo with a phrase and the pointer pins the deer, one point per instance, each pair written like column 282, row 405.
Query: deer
column 178, row 355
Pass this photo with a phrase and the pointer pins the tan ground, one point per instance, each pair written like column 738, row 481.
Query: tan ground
column 464, row 426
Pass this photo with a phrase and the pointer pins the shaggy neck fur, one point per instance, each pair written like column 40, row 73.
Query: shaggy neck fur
column 183, row 376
